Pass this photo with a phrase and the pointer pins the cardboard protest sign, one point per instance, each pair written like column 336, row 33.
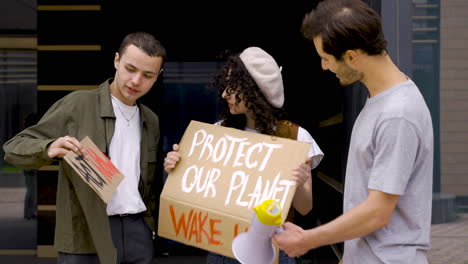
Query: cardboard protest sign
column 223, row 174
column 95, row 169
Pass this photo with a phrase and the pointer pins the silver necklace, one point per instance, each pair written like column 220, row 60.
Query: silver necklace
column 128, row 119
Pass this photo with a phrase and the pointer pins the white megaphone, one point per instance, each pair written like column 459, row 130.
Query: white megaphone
column 255, row 246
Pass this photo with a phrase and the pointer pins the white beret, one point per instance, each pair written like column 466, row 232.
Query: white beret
column 266, row 74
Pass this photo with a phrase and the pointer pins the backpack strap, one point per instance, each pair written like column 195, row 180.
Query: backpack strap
column 287, row 129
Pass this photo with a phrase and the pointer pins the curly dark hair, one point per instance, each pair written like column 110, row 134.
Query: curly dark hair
column 241, row 83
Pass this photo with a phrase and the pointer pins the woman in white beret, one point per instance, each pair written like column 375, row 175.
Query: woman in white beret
column 252, row 96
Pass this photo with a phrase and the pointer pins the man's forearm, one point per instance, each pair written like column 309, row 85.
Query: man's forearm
column 365, row 218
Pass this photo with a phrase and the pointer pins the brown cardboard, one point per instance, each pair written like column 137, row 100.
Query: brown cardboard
column 95, row 169
column 209, row 197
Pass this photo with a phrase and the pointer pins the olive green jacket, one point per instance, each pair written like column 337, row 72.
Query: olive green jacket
column 82, row 225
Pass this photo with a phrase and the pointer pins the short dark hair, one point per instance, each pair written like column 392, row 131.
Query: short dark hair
column 144, row 41
column 345, row 25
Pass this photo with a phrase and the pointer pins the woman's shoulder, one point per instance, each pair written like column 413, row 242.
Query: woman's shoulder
column 303, row 133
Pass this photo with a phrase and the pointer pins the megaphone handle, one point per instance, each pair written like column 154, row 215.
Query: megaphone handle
column 280, row 230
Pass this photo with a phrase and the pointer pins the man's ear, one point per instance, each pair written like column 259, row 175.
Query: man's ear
column 116, row 60
column 351, row 57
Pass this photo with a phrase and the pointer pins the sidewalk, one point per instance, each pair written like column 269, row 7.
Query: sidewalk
column 449, row 242
column 449, row 245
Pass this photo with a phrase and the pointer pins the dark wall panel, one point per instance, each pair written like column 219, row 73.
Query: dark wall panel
column 68, row 2
column 71, row 67
column 70, row 27
column 46, row 227
column 47, row 183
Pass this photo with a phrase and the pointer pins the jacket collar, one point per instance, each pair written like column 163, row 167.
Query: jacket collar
column 106, row 109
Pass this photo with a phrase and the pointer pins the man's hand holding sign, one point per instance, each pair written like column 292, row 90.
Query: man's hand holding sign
column 91, row 164
column 218, row 175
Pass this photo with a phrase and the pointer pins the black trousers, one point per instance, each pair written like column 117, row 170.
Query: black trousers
column 66, row 258
column 132, row 238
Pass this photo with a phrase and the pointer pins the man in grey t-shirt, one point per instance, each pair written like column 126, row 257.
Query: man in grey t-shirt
column 391, row 152
column 388, row 190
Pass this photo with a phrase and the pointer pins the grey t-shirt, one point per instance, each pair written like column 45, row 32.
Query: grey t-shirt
column 391, row 151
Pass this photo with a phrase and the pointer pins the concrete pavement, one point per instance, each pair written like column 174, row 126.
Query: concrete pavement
column 449, row 242
column 449, row 245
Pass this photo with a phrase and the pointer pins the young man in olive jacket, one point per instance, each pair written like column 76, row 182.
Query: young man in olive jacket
column 88, row 230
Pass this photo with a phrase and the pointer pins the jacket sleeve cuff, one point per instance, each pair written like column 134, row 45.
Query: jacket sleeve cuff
column 44, row 146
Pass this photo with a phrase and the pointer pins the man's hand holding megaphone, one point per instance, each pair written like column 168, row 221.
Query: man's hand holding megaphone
column 293, row 240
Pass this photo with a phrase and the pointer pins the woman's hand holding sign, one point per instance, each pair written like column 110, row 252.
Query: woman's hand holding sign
column 302, row 173
column 302, row 201
column 172, row 158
